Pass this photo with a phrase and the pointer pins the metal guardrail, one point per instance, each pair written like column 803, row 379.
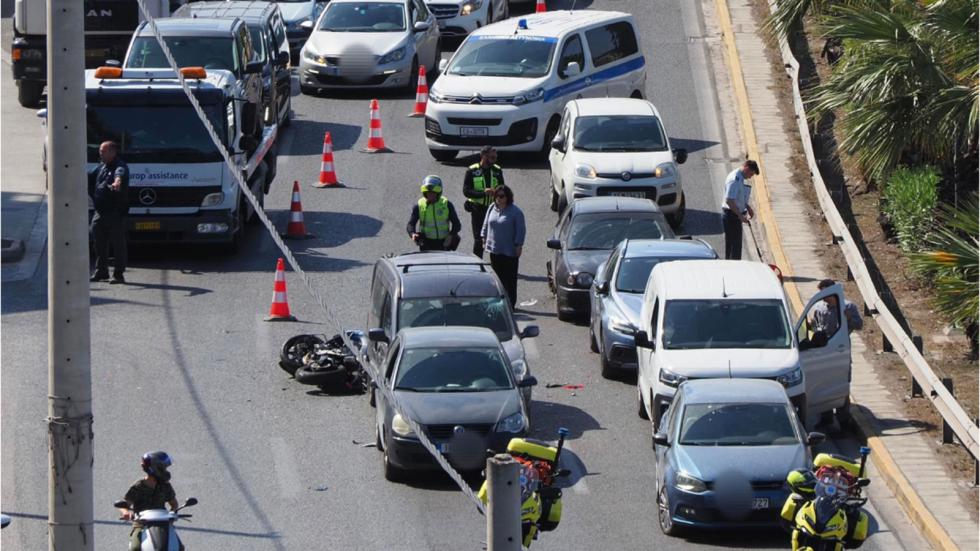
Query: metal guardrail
column 942, row 399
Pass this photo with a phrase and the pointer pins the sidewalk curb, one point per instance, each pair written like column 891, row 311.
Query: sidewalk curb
column 34, row 248
column 911, row 503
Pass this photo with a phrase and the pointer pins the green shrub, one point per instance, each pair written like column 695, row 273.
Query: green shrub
column 909, row 203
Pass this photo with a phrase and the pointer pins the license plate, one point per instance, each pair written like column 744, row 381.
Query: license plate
column 759, row 503
column 640, row 194
column 443, row 447
column 332, row 71
column 474, row 131
column 146, row 226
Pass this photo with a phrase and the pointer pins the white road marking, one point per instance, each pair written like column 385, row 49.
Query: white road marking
column 286, row 468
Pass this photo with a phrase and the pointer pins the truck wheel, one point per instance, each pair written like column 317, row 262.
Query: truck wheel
column 443, row 155
column 29, row 92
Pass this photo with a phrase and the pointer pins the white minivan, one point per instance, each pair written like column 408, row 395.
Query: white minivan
column 724, row 318
column 507, row 83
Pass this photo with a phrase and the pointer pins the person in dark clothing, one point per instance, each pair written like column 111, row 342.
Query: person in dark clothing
column 504, row 231
column 434, row 225
column 109, row 193
column 150, row 492
column 478, row 185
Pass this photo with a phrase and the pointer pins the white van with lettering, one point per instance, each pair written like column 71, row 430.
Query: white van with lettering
column 508, row 82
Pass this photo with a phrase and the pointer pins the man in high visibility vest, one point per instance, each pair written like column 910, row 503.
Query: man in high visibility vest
column 434, row 225
column 478, row 185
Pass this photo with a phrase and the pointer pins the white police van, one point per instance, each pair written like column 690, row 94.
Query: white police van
column 508, row 82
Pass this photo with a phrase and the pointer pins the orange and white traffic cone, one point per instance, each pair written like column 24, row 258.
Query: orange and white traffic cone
column 279, row 311
column 421, row 94
column 376, row 142
column 328, row 176
column 296, row 228
column 540, row 7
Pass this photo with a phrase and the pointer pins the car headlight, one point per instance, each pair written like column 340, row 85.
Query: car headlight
column 579, row 279
column 397, row 54
column 519, row 367
column 621, row 325
column 528, row 97
column 436, row 97
column 315, row 58
column 670, row 378
column 400, row 426
column 665, row 170
column 585, row 171
column 688, row 483
column 791, row 378
column 512, row 423
column 471, row 6
column 213, row 199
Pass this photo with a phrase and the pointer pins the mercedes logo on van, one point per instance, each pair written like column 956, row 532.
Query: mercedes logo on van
column 626, row 176
column 476, row 99
column 458, row 430
column 148, row 196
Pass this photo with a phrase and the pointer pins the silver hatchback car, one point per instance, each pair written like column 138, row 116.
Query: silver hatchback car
column 617, row 294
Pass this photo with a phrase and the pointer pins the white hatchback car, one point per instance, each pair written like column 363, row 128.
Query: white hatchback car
column 616, row 146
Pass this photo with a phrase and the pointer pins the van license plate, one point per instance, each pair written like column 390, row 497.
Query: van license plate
column 759, row 503
column 640, row 194
column 474, row 131
column 146, row 226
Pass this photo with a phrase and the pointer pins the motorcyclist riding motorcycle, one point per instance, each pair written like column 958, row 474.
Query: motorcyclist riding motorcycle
column 150, row 492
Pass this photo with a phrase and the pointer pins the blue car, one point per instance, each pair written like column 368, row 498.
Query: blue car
column 617, row 295
column 723, row 453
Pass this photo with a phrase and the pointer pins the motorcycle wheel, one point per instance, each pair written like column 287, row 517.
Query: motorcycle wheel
column 320, row 377
column 293, row 350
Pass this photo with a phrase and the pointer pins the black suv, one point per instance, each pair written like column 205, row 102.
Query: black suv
column 269, row 44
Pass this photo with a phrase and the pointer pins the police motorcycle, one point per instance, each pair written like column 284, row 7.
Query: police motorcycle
column 540, row 499
column 326, row 363
column 823, row 512
column 158, row 532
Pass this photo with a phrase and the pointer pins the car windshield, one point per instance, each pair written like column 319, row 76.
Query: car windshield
column 619, row 133
column 725, row 323
column 495, row 56
column 258, row 45
column 737, row 425
column 634, row 272
column 188, row 51
column 490, row 312
column 603, row 231
column 452, row 370
column 154, row 133
column 369, row 17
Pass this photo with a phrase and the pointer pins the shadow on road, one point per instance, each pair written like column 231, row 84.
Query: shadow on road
column 308, row 136
column 548, row 416
column 181, row 527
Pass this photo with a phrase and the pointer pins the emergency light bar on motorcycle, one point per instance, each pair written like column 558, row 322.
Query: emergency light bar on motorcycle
column 105, row 73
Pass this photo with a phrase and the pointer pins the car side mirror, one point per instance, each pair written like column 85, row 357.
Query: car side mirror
column 283, row 58
column 602, row 287
column 573, row 69
column 528, row 381
column 421, row 26
column 377, row 335
column 554, row 244
column 443, row 63
column 306, row 25
column 680, row 155
column 558, row 143
column 660, row 439
column 191, row 501
column 815, row 438
column 530, row 332
column 41, row 114
column 248, row 143
column 642, row 340
column 864, row 482
column 121, row 504
column 254, row 67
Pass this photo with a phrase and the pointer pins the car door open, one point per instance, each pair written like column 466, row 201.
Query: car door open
column 825, row 350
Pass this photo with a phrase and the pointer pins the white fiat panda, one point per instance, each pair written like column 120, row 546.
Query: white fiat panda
column 507, row 83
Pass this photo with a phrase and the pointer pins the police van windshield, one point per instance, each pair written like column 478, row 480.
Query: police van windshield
column 498, row 56
column 369, row 17
column 619, row 133
column 154, row 133
column 726, row 324
column 188, row 51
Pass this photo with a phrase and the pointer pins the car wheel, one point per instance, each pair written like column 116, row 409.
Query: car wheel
column 593, row 345
column 308, row 90
column 554, row 200
column 392, row 473
column 29, row 92
column 562, row 316
column 443, row 155
column 372, row 400
column 287, row 119
column 562, row 200
column 676, row 218
column 844, row 417
column 636, row 95
column 377, row 438
column 641, row 410
column 655, row 418
column 608, row 371
column 549, row 134
column 667, row 525
column 413, row 77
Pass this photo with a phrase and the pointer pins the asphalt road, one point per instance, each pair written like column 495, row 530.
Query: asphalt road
column 183, row 362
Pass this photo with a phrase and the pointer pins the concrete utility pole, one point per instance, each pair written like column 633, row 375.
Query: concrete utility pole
column 504, row 504
column 69, row 358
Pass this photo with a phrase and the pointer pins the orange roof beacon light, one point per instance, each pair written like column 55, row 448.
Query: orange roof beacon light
column 108, row 72
column 194, row 72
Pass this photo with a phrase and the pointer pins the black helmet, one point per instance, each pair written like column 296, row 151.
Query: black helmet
column 155, row 464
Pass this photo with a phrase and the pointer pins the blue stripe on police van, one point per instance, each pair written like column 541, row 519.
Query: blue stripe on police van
column 601, row 76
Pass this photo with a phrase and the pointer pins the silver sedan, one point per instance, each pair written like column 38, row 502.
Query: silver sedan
column 369, row 43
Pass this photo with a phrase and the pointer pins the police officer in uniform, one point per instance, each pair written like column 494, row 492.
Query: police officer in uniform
column 434, row 225
column 109, row 194
column 478, row 185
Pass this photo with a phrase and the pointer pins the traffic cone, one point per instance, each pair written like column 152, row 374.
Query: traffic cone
column 376, row 142
column 279, row 311
column 296, row 228
column 540, row 7
column 328, row 176
column 421, row 95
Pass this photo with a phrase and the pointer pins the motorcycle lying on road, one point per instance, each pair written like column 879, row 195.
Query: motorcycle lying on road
column 158, row 532
column 540, row 499
column 823, row 512
column 328, row 364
